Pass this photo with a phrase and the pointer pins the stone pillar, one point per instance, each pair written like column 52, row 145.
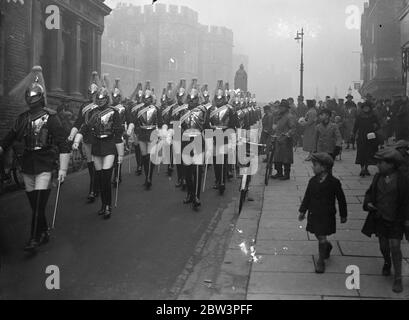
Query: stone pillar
column 75, row 76
column 56, row 60
column 99, row 33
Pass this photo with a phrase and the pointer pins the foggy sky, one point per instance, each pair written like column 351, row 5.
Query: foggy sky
column 265, row 30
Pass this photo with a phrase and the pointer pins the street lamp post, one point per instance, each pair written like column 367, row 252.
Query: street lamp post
column 300, row 36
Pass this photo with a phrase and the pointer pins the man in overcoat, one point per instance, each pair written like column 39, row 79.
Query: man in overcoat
column 285, row 126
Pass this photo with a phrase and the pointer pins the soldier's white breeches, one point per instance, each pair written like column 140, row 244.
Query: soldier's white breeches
column 103, row 163
column 40, row 181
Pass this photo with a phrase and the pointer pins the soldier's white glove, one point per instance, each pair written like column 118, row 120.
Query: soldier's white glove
column 130, row 130
column 72, row 135
column 62, row 174
column 78, row 139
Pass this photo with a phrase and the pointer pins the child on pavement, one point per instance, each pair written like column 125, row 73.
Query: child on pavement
column 387, row 202
column 319, row 202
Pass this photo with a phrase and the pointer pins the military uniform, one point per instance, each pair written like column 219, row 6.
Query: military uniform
column 44, row 140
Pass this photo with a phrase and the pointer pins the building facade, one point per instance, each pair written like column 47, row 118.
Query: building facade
column 169, row 44
column 381, row 48
column 404, row 28
column 67, row 54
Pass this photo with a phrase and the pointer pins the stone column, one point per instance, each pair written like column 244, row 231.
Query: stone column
column 75, row 76
column 99, row 33
column 56, row 60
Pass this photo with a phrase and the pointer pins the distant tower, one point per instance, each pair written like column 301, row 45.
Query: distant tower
column 240, row 80
column 317, row 95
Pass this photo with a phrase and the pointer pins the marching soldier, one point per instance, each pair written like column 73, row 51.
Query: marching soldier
column 44, row 138
column 177, row 112
column 147, row 120
column 106, row 129
column 168, row 104
column 84, row 115
column 136, row 103
column 118, row 106
column 194, row 122
column 221, row 117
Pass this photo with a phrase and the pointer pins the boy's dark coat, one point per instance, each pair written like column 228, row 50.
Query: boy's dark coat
column 319, row 200
column 403, row 203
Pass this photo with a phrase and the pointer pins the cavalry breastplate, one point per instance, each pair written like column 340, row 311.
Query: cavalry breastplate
column 220, row 117
column 37, row 136
column 122, row 112
column 148, row 117
column 167, row 113
column 242, row 116
column 193, row 121
column 178, row 111
column 88, row 111
column 103, row 123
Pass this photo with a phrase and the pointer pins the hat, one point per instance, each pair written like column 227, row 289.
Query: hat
column 310, row 104
column 349, row 96
column 284, row 103
column 389, row 155
column 401, row 144
column 367, row 104
column 326, row 111
column 324, row 159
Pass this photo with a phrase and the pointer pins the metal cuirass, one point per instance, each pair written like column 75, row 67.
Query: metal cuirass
column 122, row 112
column 220, row 117
column 243, row 117
column 88, row 111
column 148, row 117
column 103, row 123
column 178, row 111
column 194, row 121
column 167, row 113
column 37, row 135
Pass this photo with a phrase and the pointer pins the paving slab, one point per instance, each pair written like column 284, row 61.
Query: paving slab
column 269, row 297
column 290, row 248
column 299, row 284
column 281, row 234
column 381, row 287
column 285, row 264
column 369, row 249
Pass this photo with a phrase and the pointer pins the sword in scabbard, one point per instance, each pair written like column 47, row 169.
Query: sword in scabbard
column 117, row 185
column 56, row 204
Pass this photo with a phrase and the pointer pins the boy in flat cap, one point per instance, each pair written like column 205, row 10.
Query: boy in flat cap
column 319, row 202
column 387, row 202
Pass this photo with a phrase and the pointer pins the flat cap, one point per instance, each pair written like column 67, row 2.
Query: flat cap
column 389, row 155
column 323, row 158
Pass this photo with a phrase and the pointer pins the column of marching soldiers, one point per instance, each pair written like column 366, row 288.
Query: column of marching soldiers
column 104, row 126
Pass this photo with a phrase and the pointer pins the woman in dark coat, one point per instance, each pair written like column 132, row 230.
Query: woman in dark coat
column 365, row 128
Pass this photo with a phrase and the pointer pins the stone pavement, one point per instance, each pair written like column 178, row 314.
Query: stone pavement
column 288, row 253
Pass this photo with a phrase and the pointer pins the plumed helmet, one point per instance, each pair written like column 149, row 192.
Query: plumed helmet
column 219, row 89
column 35, row 93
column 205, row 90
column 148, row 90
column 103, row 97
column 95, row 83
column 116, row 93
column 194, row 89
column 182, row 87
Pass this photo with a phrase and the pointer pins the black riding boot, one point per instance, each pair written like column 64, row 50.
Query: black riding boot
column 138, row 157
column 91, row 170
column 287, row 172
column 106, row 177
column 100, row 179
